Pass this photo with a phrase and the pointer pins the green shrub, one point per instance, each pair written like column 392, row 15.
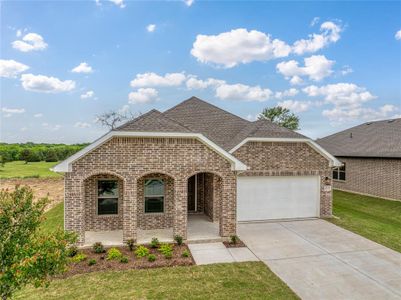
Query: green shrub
column 151, row 257
column 92, row 262
column 185, row 253
column 166, row 250
column 234, row 239
column 124, row 259
column 154, row 243
column 79, row 257
column 141, row 251
column 72, row 251
column 131, row 244
column 98, row 247
column 178, row 239
column 113, row 253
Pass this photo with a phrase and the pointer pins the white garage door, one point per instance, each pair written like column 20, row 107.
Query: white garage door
column 278, row 197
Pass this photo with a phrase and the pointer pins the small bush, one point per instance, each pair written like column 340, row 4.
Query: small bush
column 141, row 251
column 124, row 259
column 72, row 251
column 168, row 255
column 79, row 257
column 154, row 243
column 234, row 239
column 98, row 248
column 131, row 244
column 151, row 257
column 92, row 262
column 185, row 253
column 166, row 250
column 113, row 253
column 178, row 239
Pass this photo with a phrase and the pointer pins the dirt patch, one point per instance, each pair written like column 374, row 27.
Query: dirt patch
column 53, row 188
column 102, row 264
column 238, row 244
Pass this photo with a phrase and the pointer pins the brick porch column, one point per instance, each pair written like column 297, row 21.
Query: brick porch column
column 228, row 208
column 180, row 207
column 130, row 210
column 74, row 207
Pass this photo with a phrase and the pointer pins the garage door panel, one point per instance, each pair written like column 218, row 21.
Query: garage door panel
column 280, row 197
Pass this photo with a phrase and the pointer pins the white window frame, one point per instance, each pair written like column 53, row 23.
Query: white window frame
column 107, row 197
column 338, row 170
column 164, row 196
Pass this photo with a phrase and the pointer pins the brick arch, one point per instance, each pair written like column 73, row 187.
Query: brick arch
column 147, row 173
column 103, row 172
column 203, row 171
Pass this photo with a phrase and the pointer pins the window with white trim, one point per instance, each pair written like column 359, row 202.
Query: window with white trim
column 154, row 195
column 107, row 197
column 339, row 173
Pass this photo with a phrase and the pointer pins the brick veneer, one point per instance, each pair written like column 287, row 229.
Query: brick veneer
column 129, row 159
column 288, row 159
column 379, row 177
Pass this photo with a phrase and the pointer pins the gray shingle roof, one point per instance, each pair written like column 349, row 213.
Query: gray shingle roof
column 371, row 139
column 198, row 116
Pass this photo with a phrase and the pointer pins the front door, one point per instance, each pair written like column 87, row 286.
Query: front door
column 192, row 194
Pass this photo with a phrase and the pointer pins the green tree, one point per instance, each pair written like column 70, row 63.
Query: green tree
column 281, row 116
column 51, row 155
column 28, row 256
column 25, row 155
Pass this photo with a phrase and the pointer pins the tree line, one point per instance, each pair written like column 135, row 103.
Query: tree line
column 32, row 152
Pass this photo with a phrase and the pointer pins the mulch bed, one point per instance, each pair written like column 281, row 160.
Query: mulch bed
column 102, row 264
column 238, row 244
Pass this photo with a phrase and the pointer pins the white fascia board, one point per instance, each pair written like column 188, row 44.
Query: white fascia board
column 65, row 166
column 334, row 162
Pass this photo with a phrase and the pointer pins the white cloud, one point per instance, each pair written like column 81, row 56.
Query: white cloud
column 11, row 111
column 97, row 2
column 30, row 42
column 344, row 114
column 143, row 95
column 287, row 93
column 296, row 80
column 242, row 92
column 124, row 109
column 82, row 125
column 238, row 46
column 45, row 84
column 11, row 68
column 398, row 35
column 51, row 127
column 330, row 33
column 346, row 70
column 83, row 67
column 87, row 95
column 154, row 80
column 38, row 115
column 316, row 68
column 193, row 83
column 119, row 3
column 151, row 27
column 19, row 33
column 314, row 21
column 189, row 2
column 296, row 106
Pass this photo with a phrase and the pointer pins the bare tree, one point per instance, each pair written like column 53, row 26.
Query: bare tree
column 112, row 119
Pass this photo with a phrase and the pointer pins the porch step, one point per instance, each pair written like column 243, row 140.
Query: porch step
column 206, row 240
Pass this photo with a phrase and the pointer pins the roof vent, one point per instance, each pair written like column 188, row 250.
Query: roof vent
column 350, row 135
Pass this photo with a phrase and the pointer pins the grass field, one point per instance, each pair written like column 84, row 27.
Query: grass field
column 19, row 169
column 54, row 218
column 376, row 219
column 252, row 280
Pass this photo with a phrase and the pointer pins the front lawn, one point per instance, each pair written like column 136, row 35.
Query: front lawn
column 376, row 219
column 19, row 169
column 54, row 218
column 252, row 280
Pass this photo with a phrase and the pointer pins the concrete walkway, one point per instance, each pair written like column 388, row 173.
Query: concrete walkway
column 319, row 260
column 212, row 253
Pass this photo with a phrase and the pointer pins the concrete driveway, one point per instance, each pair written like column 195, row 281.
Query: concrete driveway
column 319, row 260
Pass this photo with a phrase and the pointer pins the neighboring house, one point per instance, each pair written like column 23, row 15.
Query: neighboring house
column 153, row 171
column 371, row 154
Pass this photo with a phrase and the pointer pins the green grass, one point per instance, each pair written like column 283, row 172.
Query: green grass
column 19, row 169
column 376, row 219
column 54, row 218
column 252, row 280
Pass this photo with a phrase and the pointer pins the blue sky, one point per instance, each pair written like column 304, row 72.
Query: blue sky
column 336, row 64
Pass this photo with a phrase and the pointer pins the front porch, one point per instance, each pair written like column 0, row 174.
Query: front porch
column 200, row 229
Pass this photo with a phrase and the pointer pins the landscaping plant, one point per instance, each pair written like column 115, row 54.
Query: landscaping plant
column 178, row 239
column 98, row 247
column 234, row 239
column 27, row 255
column 131, row 244
column 151, row 257
column 154, row 243
column 166, row 250
column 72, row 251
column 141, row 251
column 185, row 253
column 124, row 259
column 113, row 253
column 79, row 257
column 92, row 262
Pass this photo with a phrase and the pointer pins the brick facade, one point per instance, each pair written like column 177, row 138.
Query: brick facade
column 288, row 159
column 379, row 177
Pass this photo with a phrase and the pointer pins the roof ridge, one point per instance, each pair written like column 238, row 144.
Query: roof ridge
column 153, row 110
column 179, row 123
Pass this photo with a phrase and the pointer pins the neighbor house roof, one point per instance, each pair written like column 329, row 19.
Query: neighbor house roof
column 371, row 139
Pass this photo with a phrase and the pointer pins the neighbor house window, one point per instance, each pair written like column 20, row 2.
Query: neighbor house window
column 154, row 196
column 107, row 197
column 339, row 173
